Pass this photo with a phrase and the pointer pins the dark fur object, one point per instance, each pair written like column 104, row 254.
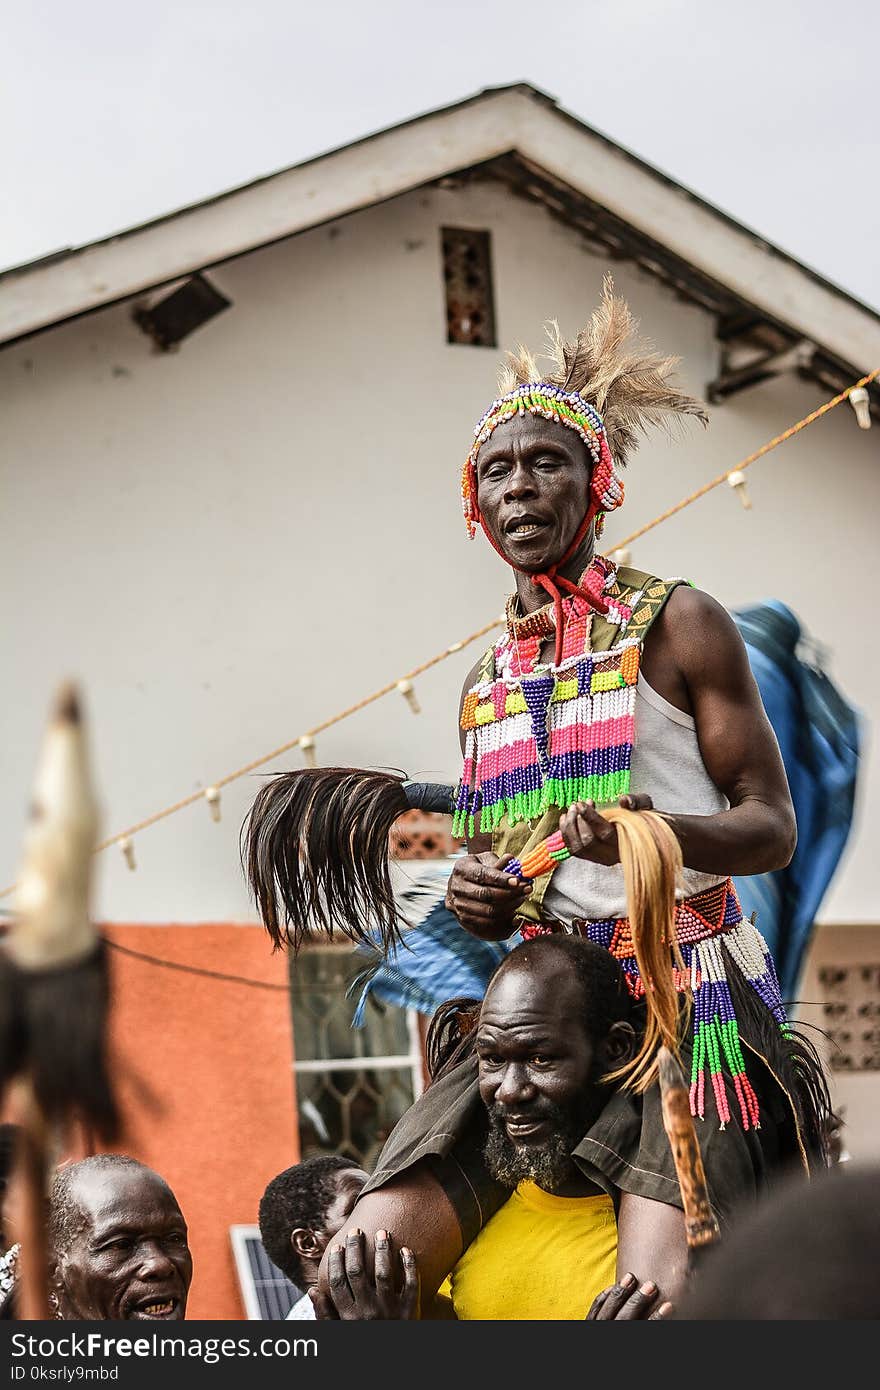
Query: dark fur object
column 793, row 1060
column 451, row 1036
column 430, row 796
column 12, row 1031
column 52, row 1024
column 315, row 852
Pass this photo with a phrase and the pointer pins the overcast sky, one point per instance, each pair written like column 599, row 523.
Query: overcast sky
column 117, row 111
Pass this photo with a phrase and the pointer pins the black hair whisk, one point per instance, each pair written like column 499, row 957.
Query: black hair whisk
column 315, row 852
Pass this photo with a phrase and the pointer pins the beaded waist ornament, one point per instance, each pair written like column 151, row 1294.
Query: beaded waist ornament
column 703, row 922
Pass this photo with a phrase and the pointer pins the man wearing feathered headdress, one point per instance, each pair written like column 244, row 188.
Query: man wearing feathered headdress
column 609, row 687
column 609, row 683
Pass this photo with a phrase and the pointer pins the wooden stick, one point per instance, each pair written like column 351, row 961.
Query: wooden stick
column 701, row 1227
column 31, row 1174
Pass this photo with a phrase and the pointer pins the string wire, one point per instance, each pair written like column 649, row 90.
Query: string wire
column 455, row 647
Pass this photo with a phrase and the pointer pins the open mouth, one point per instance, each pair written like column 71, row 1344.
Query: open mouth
column 155, row 1309
column 524, row 527
column 522, row 1129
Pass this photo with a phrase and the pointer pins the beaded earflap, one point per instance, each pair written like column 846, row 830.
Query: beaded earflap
column 568, row 409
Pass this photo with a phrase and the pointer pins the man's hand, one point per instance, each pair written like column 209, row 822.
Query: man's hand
column 588, row 835
column 355, row 1296
column 629, row 1301
column 484, row 898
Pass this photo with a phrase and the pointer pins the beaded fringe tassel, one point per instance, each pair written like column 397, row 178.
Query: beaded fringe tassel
column 702, row 923
column 550, row 739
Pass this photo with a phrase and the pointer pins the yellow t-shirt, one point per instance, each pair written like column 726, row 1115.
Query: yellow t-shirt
column 539, row 1257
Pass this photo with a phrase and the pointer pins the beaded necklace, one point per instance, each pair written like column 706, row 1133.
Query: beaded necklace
column 549, row 734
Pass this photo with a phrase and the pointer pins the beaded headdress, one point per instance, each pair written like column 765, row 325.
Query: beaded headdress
column 569, row 409
column 606, row 386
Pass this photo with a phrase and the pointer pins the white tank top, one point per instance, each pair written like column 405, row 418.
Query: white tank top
column 667, row 764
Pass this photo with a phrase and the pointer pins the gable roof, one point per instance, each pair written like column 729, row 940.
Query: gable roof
column 514, row 134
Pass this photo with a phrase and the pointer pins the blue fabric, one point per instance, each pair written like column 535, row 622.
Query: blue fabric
column 818, row 733
column 438, row 960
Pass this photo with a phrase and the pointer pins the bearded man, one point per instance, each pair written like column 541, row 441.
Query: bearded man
column 556, row 1018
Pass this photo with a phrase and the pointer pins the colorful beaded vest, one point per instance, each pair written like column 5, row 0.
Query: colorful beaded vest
column 540, row 737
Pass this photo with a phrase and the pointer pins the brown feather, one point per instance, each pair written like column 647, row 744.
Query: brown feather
column 520, row 366
column 614, row 370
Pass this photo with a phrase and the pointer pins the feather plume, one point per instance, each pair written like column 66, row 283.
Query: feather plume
column 520, row 366
column 614, row 370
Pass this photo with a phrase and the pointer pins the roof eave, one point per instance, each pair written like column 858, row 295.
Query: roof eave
column 386, row 165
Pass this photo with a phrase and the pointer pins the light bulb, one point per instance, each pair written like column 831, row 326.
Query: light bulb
column 860, row 401
column 737, row 480
column 407, row 690
column 307, row 745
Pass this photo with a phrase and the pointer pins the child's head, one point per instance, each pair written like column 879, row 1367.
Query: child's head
column 303, row 1208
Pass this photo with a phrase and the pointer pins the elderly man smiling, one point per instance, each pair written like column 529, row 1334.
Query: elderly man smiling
column 118, row 1243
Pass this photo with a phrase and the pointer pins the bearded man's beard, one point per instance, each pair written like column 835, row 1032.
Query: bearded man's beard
column 549, row 1165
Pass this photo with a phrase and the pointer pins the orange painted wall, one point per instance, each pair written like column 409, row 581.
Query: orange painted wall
column 217, row 1058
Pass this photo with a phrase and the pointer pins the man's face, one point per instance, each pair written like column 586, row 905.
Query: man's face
column 536, row 1074
column 349, row 1185
column 129, row 1258
column 533, row 484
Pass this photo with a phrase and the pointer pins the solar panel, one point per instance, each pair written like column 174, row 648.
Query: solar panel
column 267, row 1293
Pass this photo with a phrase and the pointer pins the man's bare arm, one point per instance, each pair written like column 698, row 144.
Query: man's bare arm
column 698, row 657
column 416, row 1208
column 737, row 744
column 651, row 1243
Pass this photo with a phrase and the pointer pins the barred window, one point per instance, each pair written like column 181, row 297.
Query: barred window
column 352, row 1084
column 851, row 1011
column 467, row 275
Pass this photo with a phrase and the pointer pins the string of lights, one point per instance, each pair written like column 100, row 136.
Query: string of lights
column 305, row 742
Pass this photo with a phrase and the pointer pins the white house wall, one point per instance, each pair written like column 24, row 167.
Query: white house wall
column 229, row 543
